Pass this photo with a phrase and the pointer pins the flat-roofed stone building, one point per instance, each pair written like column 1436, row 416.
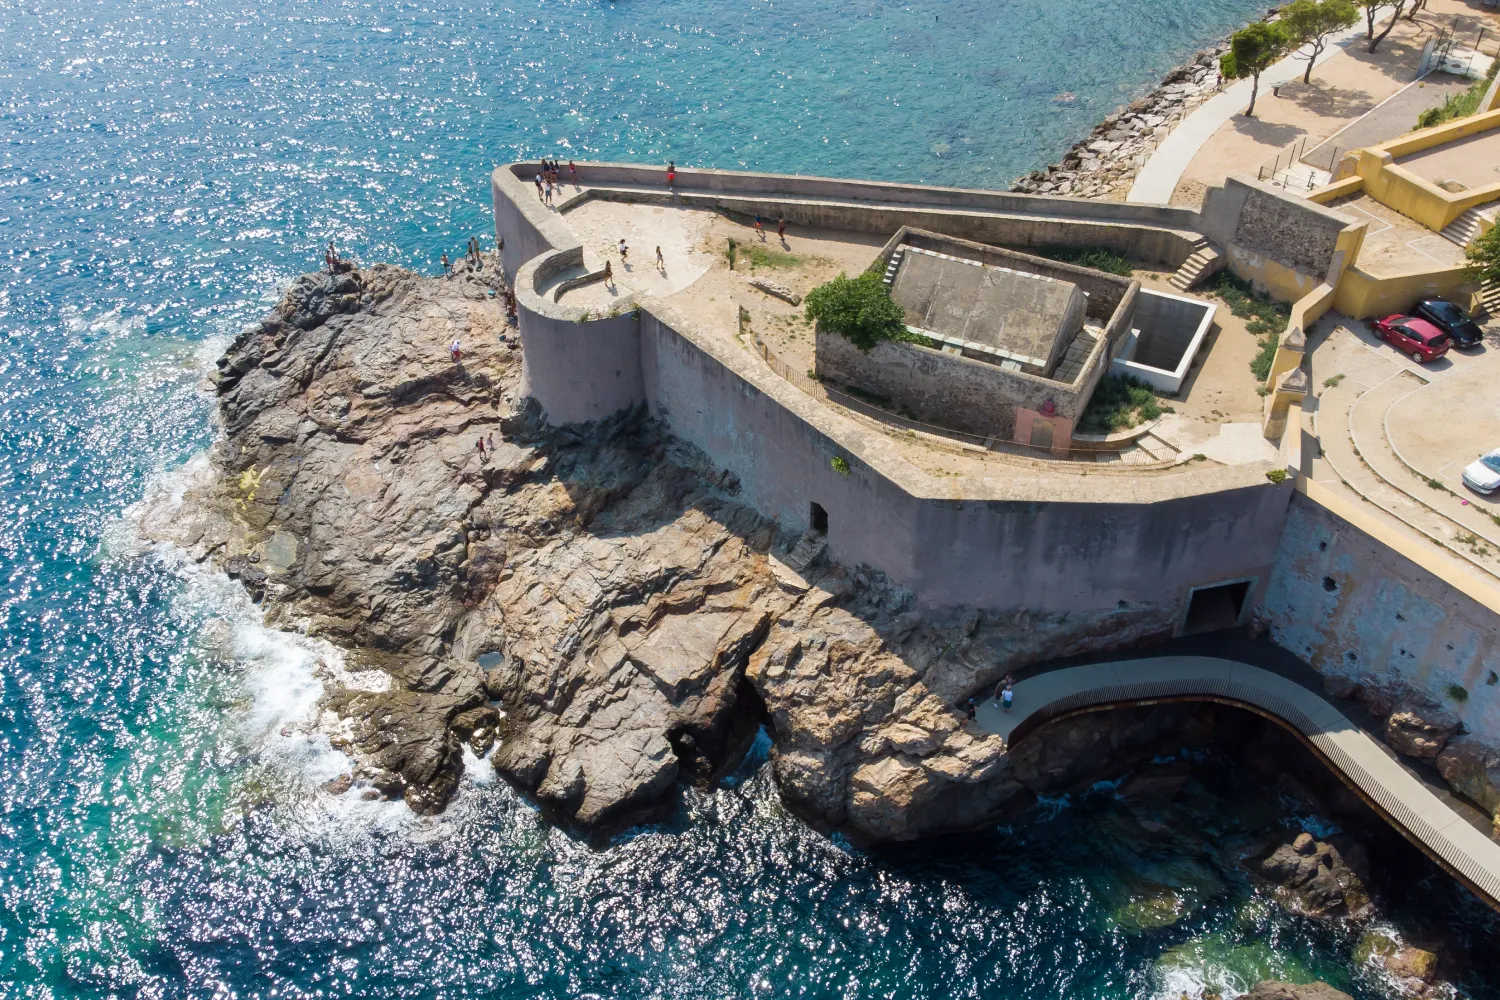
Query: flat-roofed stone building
column 1007, row 346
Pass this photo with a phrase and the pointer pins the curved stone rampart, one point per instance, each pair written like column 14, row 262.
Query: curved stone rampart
column 1354, row 756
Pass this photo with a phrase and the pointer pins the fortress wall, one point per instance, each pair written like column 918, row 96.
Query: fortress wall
column 526, row 227
column 748, row 182
column 1062, row 558
column 1357, row 601
column 581, row 372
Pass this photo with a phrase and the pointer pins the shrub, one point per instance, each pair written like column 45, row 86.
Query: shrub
column 1460, row 105
column 1458, row 692
column 839, row 464
column 1120, row 402
column 1277, row 475
column 1266, row 318
column 1097, row 258
column 1484, row 256
column 858, row 309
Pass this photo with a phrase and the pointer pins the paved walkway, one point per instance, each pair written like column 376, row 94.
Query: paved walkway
column 1368, row 767
column 1393, row 117
column 1158, row 178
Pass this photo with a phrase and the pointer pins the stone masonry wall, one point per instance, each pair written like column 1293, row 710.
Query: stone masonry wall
column 1287, row 233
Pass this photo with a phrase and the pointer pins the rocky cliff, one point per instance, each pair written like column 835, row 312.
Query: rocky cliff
column 594, row 607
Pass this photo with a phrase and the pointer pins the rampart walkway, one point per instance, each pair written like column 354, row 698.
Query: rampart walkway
column 1357, row 759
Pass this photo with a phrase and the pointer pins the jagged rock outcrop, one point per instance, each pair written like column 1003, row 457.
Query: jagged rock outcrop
column 594, row 605
column 1419, row 728
column 1314, row 878
column 1472, row 769
column 1272, row 990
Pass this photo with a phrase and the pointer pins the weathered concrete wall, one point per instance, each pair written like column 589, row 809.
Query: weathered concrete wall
column 1280, row 243
column 587, row 371
column 1356, row 601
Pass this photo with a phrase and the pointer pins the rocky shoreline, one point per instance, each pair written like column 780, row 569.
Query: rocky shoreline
column 1105, row 164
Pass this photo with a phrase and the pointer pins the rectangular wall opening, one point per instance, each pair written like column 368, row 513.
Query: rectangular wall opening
column 817, row 518
column 1216, row 607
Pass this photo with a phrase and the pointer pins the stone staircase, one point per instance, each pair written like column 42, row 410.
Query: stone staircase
column 891, row 268
column 1073, row 359
column 809, row 548
column 1203, row 261
column 1489, row 300
column 1462, row 230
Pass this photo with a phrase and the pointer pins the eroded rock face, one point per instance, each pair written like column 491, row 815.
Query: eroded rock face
column 1473, row 770
column 1419, row 728
column 622, row 598
column 1314, row 878
column 1272, row 990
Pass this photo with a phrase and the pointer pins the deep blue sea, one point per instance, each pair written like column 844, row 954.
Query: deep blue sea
column 166, row 168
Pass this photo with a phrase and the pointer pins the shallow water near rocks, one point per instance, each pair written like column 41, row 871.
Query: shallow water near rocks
column 163, row 833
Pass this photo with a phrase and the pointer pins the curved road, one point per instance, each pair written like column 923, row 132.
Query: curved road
column 1363, row 764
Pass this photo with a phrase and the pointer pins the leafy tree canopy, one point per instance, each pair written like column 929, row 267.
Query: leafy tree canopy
column 858, row 309
column 1484, row 257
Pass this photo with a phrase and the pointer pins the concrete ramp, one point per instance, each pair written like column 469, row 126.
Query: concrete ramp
column 1363, row 764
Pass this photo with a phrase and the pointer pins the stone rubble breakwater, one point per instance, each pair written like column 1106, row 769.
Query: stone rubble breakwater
column 1105, row 164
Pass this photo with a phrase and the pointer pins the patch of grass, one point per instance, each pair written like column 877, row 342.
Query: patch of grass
column 1458, row 105
column 1473, row 542
column 762, row 256
column 1097, row 258
column 839, row 464
column 1120, row 402
column 1276, row 475
column 1458, row 692
column 1329, row 383
column 1436, row 484
column 1265, row 318
column 729, row 252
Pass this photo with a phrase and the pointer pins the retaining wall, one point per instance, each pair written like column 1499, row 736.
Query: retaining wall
column 1358, row 601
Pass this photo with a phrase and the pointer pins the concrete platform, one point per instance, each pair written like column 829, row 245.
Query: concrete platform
column 1360, row 761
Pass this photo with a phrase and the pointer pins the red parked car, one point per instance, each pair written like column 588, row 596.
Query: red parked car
column 1416, row 338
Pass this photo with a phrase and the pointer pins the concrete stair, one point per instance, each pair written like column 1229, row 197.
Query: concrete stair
column 894, row 266
column 808, row 550
column 1489, row 300
column 1158, row 449
column 1203, row 261
column 1462, row 230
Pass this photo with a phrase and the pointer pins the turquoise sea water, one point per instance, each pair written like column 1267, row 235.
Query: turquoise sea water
column 165, row 169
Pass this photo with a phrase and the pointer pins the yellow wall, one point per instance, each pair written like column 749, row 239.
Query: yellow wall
column 1275, row 279
column 1413, row 196
column 1360, row 295
column 1337, row 190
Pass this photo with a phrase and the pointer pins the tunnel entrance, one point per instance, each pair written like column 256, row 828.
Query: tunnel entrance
column 817, row 518
column 1217, row 607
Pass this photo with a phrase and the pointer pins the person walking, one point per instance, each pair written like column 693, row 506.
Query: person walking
column 661, row 263
column 447, row 265
column 480, row 445
column 455, row 351
column 671, row 173
column 609, row 274
column 1007, row 697
column 760, row 230
column 781, row 230
column 624, row 251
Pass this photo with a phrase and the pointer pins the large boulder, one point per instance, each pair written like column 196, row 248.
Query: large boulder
column 1272, row 990
column 1419, row 728
column 1313, row 878
column 1381, row 949
column 1472, row 769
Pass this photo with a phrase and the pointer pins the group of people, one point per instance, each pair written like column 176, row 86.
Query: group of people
column 550, row 177
column 333, row 263
column 472, row 256
column 1005, row 694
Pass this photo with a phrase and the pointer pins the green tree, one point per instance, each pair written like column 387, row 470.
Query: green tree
column 1372, row 10
column 1484, row 257
column 858, row 309
column 1309, row 23
column 1253, row 50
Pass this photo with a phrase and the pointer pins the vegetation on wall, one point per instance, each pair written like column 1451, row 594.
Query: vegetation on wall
column 1266, row 318
column 1097, row 258
column 1119, row 403
column 1460, row 105
column 858, row 309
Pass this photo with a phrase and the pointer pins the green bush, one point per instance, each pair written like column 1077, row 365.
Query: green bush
column 1484, row 257
column 1277, row 475
column 1458, row 105
column 839, row 464
column 1265, row 318
column 1458, row 692
column 1120, row 402
column 858, row 309
column 1097, row 258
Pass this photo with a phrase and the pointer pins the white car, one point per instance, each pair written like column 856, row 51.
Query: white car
column 1483, row 476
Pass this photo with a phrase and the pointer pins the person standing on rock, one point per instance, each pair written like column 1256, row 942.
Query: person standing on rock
column 1007, row 697
column 480, row 445
column 456, row 351
column 447, row 265
column 969, row 709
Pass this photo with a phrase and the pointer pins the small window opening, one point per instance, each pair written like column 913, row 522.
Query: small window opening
column 818, row 518
column 1212, row 608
